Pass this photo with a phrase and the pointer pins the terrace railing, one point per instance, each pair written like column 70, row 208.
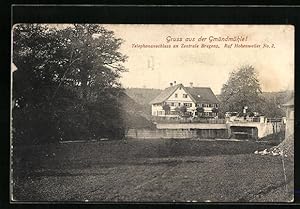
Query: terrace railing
column 187, row 120
column 255, row 119
column 274, row 120
column 164, row 119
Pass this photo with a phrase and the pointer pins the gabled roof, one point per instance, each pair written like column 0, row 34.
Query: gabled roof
column 202, row 94
column 197, row 94
column 165, row 94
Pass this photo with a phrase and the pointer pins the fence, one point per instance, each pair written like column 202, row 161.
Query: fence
column 274, row 120
column 159, row 119
column 255, row 119
column 244, row 120
column 188, row 120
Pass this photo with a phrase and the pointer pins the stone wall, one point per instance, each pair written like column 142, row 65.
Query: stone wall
column 201, row 130
column 190, row 126
column 176, row 133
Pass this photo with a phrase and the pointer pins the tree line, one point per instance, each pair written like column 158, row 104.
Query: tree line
column 243, row 89
column 66, row 84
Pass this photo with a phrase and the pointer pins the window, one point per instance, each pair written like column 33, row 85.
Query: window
column 216, row 105
column 185, row 96
column 176, row 95
column 179, row 88
column 172, row 103
column 178, row 103
column 187, row 104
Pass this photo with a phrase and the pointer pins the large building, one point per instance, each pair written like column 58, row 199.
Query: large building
column 176, row 96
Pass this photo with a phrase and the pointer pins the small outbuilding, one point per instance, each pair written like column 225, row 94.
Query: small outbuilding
column 289, row 129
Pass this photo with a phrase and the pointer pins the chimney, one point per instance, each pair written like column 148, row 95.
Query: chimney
column 171, row 84
column 174, row 82
column 191, row 84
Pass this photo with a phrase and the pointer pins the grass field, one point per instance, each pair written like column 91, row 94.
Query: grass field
column 151, row 170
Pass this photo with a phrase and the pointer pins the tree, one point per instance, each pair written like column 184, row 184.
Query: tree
column 94, row 65
column 66, row 82
column 183, row 110
column 35, row 55
column 271, row 108
column 166, row 108
column 241, row 89
column 215, row 110
column 251, row 114
column 177, row 110
column 92, row 58
column 200, row 111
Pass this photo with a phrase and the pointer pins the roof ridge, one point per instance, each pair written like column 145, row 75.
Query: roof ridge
column 204, row 87
column 206, row 93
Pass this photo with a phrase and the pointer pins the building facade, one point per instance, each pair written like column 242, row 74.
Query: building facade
column 289, row 128
column 198, row 102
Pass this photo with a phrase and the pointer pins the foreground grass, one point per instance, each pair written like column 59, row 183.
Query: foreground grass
column 150, row 170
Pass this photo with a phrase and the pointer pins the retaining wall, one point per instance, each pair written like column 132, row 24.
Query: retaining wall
column 190, row 126
column 200, row 130
column 176, row 133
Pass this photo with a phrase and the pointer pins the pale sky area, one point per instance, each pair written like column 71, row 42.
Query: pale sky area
column 202, row 66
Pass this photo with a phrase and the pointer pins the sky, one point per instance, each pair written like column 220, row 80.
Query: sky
column 206, row 67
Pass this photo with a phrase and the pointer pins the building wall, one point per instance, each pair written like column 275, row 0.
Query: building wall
column 160, row 134
column 174, row 102
column 263, row 129
column 289, row 128
column 180, row 100
column 177, row 101
column 157, row 110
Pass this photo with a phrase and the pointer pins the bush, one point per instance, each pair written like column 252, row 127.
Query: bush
column 70, row 121
column 33, row 126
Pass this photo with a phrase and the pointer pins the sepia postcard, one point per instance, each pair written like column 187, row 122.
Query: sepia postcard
column 152, row 113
